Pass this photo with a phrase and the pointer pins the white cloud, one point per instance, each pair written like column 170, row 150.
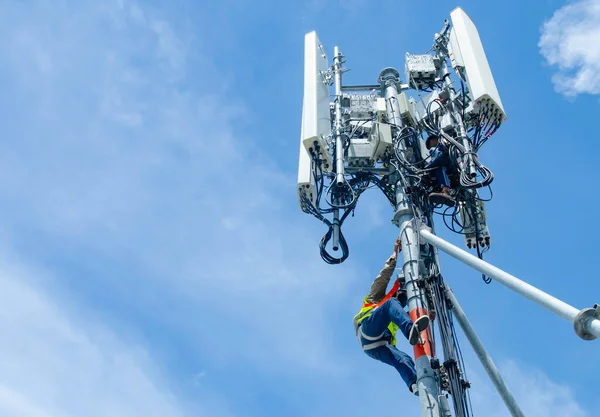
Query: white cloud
column 57, row 363
column 536, row 393
column 134, row 149
column 569, row 41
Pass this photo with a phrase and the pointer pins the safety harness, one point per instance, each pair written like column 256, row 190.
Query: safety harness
column 368, row 309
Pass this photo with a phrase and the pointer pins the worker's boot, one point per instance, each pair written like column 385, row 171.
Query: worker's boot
column 442, row 198
column 418, row 326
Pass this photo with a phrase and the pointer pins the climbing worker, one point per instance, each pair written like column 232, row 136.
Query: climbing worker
column 381, row 316
column 440, row 161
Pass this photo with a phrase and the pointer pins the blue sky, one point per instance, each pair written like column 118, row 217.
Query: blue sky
column 154, row 262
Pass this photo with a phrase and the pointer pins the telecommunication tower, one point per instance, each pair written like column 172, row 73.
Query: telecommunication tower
column 373, row 135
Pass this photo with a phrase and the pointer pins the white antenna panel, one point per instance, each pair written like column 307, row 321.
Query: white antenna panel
column 316, row 122
column 467, row 52
column 316, row 116
column 306, row 179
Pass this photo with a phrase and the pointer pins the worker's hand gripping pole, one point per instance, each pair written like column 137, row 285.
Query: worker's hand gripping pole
column 586, row 321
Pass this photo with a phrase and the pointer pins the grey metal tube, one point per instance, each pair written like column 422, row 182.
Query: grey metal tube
column 360, row 87
column 468, row 159
column 336, row 230
column 593, row 326
column 484, row 358
column 536, row 295
column 409, row 237
column 339, row 143
column 391, row 79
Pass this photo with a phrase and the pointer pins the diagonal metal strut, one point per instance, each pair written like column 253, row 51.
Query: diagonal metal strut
column 586, row 322
column 484, row 357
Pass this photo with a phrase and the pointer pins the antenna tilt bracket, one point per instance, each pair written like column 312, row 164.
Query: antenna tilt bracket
column 327, row 77
column 581, row 320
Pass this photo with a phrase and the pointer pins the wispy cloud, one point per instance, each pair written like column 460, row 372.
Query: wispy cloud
column 123, row 151
column 569, row 41
column 57, row 362
column 537, row 394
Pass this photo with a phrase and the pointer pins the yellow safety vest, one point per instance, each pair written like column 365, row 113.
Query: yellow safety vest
column 367, row 309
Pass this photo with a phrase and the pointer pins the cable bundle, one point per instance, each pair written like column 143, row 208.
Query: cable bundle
column 454, row 363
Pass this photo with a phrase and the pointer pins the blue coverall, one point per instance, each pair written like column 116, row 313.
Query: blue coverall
column 376, row 326
column 439, row 160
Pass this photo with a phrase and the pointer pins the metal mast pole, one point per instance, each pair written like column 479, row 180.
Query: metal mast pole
column 339, row 141
column 484, row 357
column 467, row 162
column 405, row 219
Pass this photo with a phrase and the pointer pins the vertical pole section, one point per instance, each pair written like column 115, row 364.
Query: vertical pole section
column 484, row 358
column 336, row 230
column 469, row 166
column 409, row 237
column 339, row 142
column 586, row 321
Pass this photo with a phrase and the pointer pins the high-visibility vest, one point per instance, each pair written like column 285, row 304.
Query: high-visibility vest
column 366, row 310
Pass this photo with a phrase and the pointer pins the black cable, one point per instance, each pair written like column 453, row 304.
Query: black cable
column 454, row 362
column 343, row 245
column 485, row 278
column 361, row 182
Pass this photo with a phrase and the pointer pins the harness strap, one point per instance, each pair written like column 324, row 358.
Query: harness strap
column 375, row 345
column 377, row 341
column 360, row 330
column 375, row 306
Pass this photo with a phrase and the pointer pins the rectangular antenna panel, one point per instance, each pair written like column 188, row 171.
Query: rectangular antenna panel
column 475, row 226
column 467, row 51
column 316, row 116
column 306, row 179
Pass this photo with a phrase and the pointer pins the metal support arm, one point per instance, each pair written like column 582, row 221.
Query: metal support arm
column 484, row 357
column 586, row 322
